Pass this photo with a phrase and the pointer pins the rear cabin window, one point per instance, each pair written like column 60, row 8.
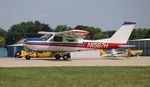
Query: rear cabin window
column 58, row 39
column 70, row 39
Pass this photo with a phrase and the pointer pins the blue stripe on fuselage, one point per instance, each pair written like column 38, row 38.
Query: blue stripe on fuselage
column 55, row 43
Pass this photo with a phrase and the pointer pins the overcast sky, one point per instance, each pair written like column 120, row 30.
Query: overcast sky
column 105, row 14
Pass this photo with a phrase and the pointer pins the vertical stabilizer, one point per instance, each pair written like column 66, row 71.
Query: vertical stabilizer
column 123, row 34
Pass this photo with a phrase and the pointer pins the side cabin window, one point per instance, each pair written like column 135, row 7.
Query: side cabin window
column 63, row 39
column 70, row 39
column 58, row 39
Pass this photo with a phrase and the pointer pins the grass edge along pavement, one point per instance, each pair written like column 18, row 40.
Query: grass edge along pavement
column 75, row 77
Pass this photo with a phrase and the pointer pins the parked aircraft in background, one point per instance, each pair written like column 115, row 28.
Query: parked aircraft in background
column 62, row 43
column 116, row 53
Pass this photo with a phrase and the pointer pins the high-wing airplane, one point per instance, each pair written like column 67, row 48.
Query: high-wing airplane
column 62, row 43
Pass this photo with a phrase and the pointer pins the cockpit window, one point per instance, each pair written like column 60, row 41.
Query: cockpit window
column 46, row 37
column 58, row 38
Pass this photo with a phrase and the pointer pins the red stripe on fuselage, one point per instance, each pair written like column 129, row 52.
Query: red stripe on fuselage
column 95, row 45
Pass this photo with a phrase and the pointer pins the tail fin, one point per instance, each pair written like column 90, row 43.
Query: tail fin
column 123, row 34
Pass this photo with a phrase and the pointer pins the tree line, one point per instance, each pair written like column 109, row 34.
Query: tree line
column 29, row 29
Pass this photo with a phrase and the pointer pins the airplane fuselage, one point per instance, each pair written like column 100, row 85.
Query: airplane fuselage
column 70, row 46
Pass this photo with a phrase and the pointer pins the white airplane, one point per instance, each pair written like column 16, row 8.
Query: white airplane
column 62, row 43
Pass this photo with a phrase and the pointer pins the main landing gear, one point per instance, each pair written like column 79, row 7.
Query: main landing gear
column 65, row 56
column 28, row 57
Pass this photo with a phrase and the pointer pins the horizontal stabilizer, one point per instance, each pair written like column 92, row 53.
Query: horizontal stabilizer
column 126, row 45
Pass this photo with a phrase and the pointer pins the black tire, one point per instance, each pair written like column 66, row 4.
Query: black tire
column 65, row 57
column 28, row 57
column 57, row 56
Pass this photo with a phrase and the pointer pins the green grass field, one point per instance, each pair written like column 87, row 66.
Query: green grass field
column 75, row 77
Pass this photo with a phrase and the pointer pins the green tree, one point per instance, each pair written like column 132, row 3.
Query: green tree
column 25, row 30
column 61, row 28
column 2, row 41
column 108, row 34
column 95, row 33
column 147, row 34
column 139, row 33
column 2, row 32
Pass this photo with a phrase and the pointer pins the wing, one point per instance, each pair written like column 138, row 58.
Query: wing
column 73, row 33
column 44, row 32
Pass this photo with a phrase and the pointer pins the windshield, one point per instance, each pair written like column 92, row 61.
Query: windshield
column 46, row 37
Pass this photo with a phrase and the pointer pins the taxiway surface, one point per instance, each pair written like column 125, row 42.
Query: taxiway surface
column 49, row 62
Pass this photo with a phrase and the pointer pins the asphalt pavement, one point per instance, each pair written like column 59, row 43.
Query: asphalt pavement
column 76, row 61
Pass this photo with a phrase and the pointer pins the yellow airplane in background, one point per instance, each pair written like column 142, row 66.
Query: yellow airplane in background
column 114, row 53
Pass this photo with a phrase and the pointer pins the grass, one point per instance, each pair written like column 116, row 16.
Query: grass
column 75, row 77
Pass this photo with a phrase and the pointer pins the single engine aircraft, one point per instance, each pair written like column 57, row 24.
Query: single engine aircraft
column 62, row 43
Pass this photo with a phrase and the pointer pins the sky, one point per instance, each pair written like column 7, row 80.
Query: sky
column 105, row 14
